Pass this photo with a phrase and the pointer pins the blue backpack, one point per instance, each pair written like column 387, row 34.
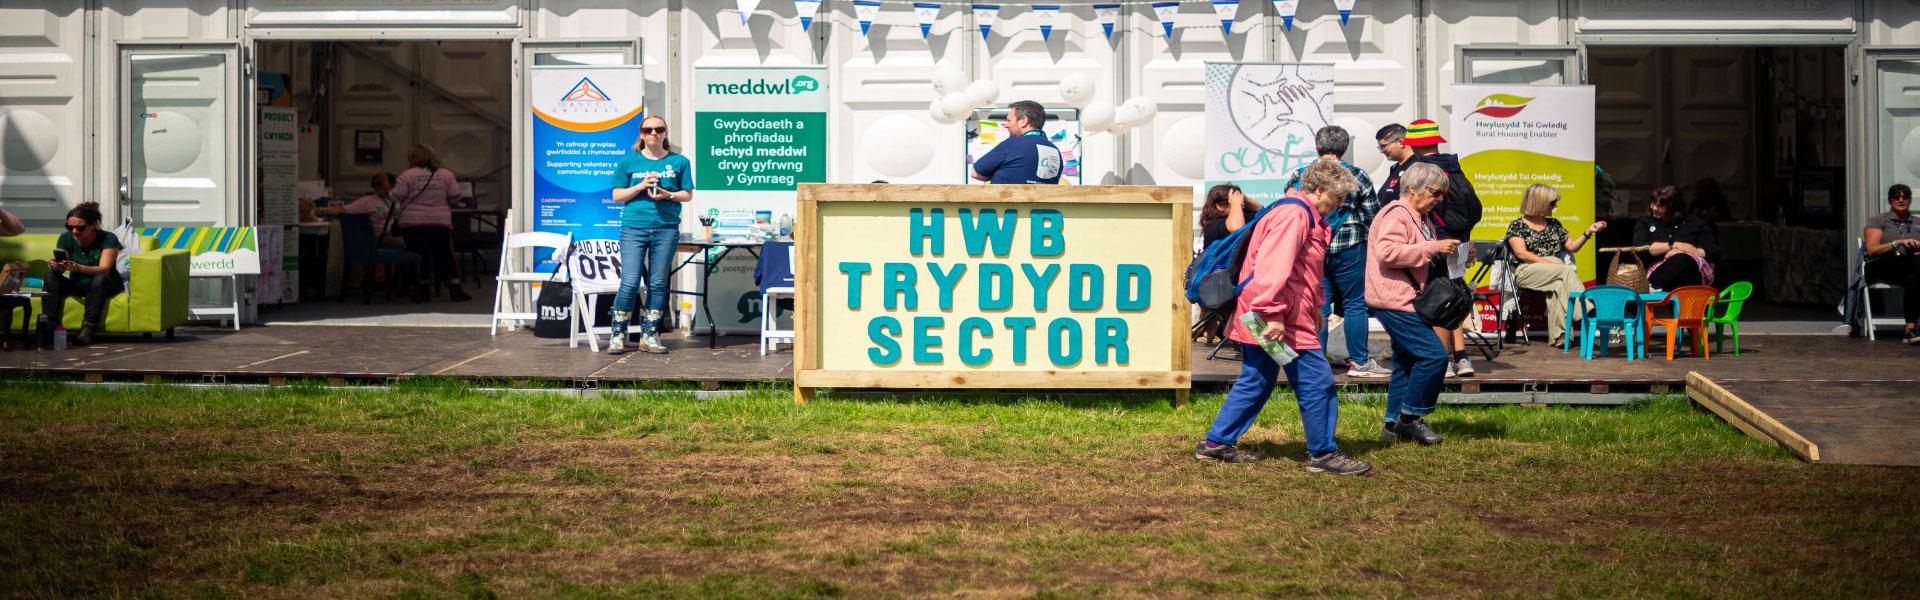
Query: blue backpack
column 1213, row 279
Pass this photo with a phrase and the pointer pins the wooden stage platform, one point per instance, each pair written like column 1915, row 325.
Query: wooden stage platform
column 1854, row 399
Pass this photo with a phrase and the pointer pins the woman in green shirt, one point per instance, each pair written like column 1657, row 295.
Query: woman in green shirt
column 88, row 270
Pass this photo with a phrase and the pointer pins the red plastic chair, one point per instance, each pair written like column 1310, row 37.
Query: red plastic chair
column 1691, row 304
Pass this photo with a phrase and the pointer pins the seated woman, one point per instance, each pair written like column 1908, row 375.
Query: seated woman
column 1537, row 239
column 87, row 271
column 1681, row 247
column 1893, row 253
column 377, row 206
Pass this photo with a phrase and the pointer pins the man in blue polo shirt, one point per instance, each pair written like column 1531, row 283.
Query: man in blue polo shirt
column 1026, row 156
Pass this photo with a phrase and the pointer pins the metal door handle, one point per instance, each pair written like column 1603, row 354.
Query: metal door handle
column 126, row 192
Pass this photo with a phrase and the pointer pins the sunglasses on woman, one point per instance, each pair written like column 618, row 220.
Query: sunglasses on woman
column 653, row 130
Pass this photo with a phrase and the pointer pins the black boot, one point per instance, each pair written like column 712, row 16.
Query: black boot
column 85, row 338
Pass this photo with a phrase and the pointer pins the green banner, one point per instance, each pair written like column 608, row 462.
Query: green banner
column 760, row 151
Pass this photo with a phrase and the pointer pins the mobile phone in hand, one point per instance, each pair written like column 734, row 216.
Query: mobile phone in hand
column 60, row 254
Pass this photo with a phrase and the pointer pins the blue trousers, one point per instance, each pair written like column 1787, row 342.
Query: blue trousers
column 645, row 254
column 1345, row 282
column 1312, row 382
column 1419, row 364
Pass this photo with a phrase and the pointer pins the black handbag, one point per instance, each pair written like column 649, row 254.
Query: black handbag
column 1444, row 303
column 555, row 305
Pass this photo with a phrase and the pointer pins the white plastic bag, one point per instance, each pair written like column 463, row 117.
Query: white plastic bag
column 129, row 245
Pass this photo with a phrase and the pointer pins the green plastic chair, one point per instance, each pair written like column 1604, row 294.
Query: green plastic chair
column 1731, row 299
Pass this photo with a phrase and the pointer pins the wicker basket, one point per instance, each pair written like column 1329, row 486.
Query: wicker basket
column 1632, row 275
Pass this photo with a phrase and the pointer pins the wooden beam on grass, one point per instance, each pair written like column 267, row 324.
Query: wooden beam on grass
column 1747, row 418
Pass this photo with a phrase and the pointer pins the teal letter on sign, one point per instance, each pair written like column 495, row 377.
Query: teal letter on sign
column 921, row 230
column 1131, row 297
column 900, row 280
column 1047, row 239
column 1110, row 334
column 925, row 340
column 1041, row 280
column 881, row 330
column 1020, row 327
column 1086, row 285
column 946, row 282
column 1063, row 342
column 968, row 329
column 854, row 271
column 978, row 230
column 996, row 287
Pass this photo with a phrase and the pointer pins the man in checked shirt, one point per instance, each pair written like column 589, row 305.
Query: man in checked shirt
column 1345, row 277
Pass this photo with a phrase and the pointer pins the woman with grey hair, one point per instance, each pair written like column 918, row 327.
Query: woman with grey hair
column 1284, row 258
column 1399, row 248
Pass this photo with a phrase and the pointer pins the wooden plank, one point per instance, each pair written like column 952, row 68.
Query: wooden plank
column 1747, row 418
column 1182, row 254
column 995, row 379
column 806, row 303
column 996, row 194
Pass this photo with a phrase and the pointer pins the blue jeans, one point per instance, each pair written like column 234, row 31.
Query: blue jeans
column 645, row 254
column 1345, row 282
column 1312, row 382
column 1419, row 364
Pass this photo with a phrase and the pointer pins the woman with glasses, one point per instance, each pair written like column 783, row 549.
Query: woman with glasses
column 1400, row 247
column 1892, row 242
column 651, row 183
column 1682, row 246
column 1537, row 240
column 83, row 265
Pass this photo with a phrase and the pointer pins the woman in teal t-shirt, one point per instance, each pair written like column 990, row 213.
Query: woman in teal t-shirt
column 88, row 270
column 651, row 183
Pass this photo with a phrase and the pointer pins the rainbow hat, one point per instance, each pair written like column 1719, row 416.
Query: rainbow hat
column 1424, row 132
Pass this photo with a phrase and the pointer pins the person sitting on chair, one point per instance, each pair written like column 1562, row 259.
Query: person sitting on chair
column 84, row 266
column 1683, row 245
column 1537, row 240
column 1893, row 253
column 1227, row 209
column 377, row 206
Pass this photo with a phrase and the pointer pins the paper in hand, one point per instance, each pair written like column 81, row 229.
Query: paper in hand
column 1257, row 326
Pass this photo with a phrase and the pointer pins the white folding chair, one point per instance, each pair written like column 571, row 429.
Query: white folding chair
column 505, row 308
column 1866, row 295
column 770, row 333
column 586, row 305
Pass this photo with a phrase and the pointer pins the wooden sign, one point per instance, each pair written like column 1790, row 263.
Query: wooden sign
column 1004, row 286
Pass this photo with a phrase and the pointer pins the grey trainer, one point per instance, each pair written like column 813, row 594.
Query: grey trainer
column 1223, row 454
column 1338, row 463
column 1417, row 430
column 1369, row 369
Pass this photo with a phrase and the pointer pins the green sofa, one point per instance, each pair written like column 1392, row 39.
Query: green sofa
column 155, row 300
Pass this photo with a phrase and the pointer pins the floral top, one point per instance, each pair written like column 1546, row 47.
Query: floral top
column 1548, row 242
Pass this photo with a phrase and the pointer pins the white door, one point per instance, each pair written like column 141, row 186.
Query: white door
column 1893, row 133
column 1532, row 65
column 179, row 136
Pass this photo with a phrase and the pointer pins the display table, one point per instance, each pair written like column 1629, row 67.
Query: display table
column 709, row 253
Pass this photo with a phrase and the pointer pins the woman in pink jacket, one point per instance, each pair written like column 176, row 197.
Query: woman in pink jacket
column 1399, row 248
column 1285, row 256
column 424, row 196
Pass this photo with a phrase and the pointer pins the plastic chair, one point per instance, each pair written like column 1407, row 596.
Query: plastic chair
column 1866, row 293
column 359, row 247
column 1614, row 307
column 503, row 299
column 1728, row 319
column 770, row 333
column 1691, row 305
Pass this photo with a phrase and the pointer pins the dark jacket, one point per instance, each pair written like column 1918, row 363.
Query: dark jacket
column 1690, row 230
column 1457, row 213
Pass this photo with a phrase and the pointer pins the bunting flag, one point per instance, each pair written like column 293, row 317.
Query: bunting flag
column 1166, row 11
column 1226, row 10
column 866, row 10
column 1047, row 13
column 1346, row 10
column 1107, row 13
column 926, row 12
column 1286, row 8
column 984, row 14
column 807, row 9
column 746, row 9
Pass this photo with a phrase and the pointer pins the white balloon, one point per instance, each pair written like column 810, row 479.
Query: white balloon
column 983, row 92
column 1118, row 128
column 1183, row 145
column 1096, row 118
column 1137, row 111
column 1076, row 89
column 956, row 104
column 948, row 80
column 1148, row 108
column 939, row 113
column 897, row 146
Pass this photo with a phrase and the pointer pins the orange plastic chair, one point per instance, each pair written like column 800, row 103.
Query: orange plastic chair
column 1691, row 305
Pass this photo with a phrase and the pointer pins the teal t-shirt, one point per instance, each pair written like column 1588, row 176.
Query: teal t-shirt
column 675, row 173
column 87, row 255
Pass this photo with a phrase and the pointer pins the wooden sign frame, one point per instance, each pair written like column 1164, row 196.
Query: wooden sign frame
column 809, row 376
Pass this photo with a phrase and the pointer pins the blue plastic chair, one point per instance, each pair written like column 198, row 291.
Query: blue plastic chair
column 1614, row 307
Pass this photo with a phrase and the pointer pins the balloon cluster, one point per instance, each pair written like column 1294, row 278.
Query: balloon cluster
column 957, row 99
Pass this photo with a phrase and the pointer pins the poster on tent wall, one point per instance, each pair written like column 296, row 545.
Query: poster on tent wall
column 1261, row 118
column 584, row 119
column 1512, row 136
column 758, row 133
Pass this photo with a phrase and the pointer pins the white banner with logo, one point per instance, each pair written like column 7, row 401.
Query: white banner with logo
column 1260, row 123
column 1510, row 137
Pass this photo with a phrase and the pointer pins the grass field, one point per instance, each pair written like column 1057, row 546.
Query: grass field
column 434, row 490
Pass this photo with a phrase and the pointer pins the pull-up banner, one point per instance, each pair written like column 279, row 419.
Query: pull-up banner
column 584, row 119
column 1260, row 123
column 1510, row 137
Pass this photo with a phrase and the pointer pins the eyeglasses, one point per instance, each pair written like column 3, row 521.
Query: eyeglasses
column 1899, row 198
column 76, row 228
column 653, row 130
column 1383, row 147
